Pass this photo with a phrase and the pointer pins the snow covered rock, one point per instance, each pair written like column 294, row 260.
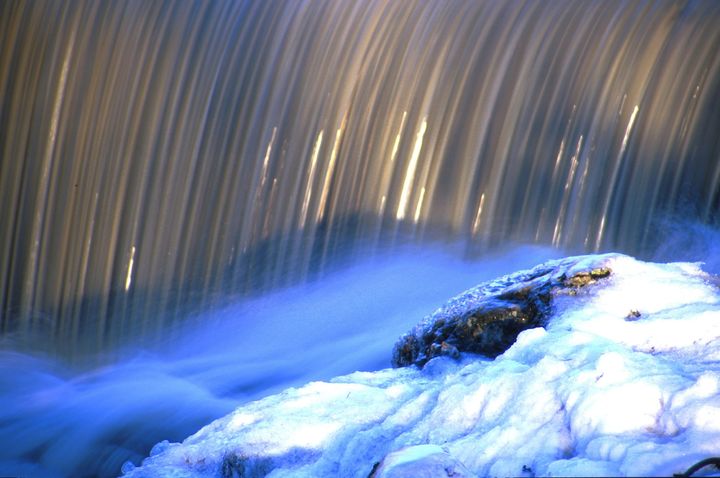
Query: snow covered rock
column 421, row 461
column 598, row 391
column 488, row 318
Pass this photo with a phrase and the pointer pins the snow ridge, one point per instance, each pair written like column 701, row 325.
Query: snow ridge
column 597, row 391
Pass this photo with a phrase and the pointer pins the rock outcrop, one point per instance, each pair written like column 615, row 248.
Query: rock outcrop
column 487, row 319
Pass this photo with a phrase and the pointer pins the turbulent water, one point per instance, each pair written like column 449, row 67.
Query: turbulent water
column 163, row 161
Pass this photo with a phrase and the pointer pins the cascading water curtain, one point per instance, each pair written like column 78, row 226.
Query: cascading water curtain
column 156, row 154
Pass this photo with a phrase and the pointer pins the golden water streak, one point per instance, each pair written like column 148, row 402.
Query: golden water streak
column 160, row 154
column 410, row 173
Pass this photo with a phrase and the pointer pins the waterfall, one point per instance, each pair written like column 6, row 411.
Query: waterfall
column 161, row 155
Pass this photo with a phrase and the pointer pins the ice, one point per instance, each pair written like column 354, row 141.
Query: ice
column 599, row 391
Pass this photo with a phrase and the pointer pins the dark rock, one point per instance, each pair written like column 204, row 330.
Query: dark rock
column 487, row 319
column 582, row 279
column 239, row 464
column 633, row 315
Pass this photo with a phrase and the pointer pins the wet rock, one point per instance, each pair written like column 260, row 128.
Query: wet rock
column 421, row 461
column 487, row 319
column 239, row 466
column 582, row 279
column 633, row 315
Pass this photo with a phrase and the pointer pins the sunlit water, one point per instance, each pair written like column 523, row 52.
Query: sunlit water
column 156, row 154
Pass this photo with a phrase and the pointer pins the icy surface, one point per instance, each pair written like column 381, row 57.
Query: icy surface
column 624, row 380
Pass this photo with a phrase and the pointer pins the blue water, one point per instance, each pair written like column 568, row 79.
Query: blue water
column 61, row 421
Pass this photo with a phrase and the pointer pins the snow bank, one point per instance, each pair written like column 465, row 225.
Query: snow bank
column 623, row 380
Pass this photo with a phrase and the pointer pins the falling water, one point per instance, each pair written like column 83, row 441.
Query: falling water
column 157, row 154
column 159, row 160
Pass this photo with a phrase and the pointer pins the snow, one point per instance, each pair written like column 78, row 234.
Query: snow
column 420, row 461
column 60, row 419
column 599, row 391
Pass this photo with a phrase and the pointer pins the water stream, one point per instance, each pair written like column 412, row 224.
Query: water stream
column 218, row 196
